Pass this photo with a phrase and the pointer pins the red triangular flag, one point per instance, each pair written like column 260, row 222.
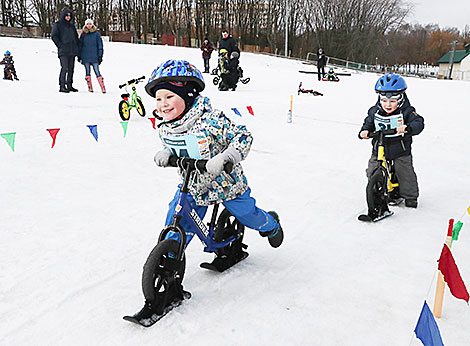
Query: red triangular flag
column 451, row 274
column 53, row 133
column 153, row 123
column 250, row 110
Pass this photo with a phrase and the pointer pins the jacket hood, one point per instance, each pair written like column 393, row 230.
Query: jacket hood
column 201, row 105
column 86, row 31
column 406, row 103
column 64, row 12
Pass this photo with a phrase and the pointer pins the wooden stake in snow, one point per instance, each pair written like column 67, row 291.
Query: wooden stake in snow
column 438, row 300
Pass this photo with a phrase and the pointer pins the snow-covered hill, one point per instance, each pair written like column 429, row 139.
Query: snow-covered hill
column 78, row 221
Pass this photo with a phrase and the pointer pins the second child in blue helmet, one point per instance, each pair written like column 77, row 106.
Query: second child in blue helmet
column 393, row 110
column 208, row 134
column 9, row 72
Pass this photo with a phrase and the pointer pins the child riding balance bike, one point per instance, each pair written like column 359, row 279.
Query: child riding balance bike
column 208, row 148
column 392, row 111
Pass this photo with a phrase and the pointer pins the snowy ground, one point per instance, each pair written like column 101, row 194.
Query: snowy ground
column 78, row 221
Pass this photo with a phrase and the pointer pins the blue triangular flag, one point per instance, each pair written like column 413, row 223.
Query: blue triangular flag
column 426, row 329
column 236, row 111
column 94, row 131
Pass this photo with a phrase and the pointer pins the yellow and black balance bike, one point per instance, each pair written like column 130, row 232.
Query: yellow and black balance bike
column 382, row 188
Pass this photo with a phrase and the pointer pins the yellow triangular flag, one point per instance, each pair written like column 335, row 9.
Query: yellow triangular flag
column 468, row 209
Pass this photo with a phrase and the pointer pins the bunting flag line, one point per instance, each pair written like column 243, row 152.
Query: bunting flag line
column 426, row 329
column 451, row 274
column 152, row 120
column 124, row 127
column 468, row 210
column 94, row 131
column 53, row 133
column 10, row 138
column 236, row 111
column 456, row 230
column 250, row 110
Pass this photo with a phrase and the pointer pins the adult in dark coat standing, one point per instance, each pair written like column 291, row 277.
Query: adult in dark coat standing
column 207, row 49
column 321, row 63
column 65, row 36
column 228, row 42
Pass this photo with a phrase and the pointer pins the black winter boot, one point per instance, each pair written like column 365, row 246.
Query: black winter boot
column 276, row 236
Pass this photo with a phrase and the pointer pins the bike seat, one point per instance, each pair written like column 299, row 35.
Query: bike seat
column 125, row 95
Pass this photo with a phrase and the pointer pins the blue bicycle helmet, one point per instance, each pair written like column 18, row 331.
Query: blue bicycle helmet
column 7, row 52
column 175, row 71
column 390, row 83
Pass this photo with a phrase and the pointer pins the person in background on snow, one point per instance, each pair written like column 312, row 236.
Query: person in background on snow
column 393, row 110
column 228, row 43
column 65, row 37
column 9, row 72
column 176, row 85
column 207, row 49
column 321, row 63
column 91, row 53
column 230, row 75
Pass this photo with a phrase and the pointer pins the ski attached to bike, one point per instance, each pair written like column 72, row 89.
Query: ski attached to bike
column 147, row 317
column 368, row 218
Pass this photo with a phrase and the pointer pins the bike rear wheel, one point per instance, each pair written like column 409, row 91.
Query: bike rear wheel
column 124, row 110
column 140, row 108
column 161, row 268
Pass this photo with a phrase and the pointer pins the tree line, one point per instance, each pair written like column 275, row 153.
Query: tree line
column 367, row 31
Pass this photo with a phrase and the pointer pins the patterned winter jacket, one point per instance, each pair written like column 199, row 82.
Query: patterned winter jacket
column 201, row 134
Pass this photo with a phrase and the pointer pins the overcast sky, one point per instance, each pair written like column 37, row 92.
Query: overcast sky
column 441, row 12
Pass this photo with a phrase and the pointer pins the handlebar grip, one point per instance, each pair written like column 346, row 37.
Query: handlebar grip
column 122, row 86
column 200, row 164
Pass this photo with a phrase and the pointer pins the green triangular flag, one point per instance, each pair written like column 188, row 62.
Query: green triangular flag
column 10, row 138
column 124, row 127
column 456, row 230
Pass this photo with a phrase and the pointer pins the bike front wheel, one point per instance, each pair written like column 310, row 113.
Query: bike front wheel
column 376, row 192
column 161, row 267
column 124, row 110
column 140, row 107
column 216, row 80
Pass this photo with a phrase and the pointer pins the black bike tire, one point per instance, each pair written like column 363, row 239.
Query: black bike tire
column 216, row 80
column 150, row 276
column 375, row 189
column 141, row 107
column 121, row 114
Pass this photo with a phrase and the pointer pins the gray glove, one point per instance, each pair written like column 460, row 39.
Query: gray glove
column 216, row 164
column 161, row 157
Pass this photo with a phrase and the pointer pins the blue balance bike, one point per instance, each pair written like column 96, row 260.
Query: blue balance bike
column 164, row 269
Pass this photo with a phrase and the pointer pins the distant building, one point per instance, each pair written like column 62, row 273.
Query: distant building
column 461, row 65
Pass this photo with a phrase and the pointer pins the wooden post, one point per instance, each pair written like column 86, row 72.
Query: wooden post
column 438, row 300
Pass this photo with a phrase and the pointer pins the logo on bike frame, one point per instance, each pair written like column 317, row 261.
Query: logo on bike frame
column 202, row 227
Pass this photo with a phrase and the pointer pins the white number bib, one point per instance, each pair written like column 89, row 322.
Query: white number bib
column 388, row 122
column 193, row 146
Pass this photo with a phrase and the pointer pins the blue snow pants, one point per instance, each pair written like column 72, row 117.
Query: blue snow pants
column 243, row 208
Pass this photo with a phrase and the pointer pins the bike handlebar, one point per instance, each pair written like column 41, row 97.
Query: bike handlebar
column 132, row 81
column 191, row 164
column 376, row 134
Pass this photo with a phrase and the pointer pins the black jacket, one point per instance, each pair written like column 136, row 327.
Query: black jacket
column 229, row 44
column 400, row 145
column 321, row 59
column 65, row 35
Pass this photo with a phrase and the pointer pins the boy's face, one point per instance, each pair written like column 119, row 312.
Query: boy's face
column 224, row 34
column 169, row 104
column 389, row 105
